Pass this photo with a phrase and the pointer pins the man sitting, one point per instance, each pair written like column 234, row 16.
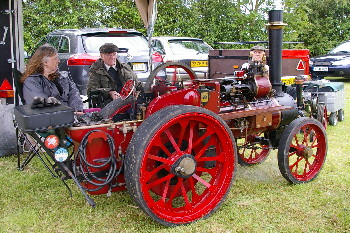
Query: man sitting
column 108, row 76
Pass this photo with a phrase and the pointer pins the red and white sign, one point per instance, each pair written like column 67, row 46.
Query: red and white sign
column 51, row 141
column 300, row 65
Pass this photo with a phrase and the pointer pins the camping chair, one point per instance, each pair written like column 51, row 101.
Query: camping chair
column 31, row 140
column 25, row 141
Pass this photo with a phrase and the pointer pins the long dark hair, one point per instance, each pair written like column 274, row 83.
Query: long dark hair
column 35, row 63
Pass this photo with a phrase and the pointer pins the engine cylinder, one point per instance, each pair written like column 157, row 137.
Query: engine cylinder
column 287, row 116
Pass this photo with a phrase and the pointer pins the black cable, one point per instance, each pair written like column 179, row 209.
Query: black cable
column 85, row 166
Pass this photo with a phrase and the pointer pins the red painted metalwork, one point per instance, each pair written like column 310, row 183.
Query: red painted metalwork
column 183, row 200
column 263, row 86
column 97, row 149
column 180, row 97
column 127, row 89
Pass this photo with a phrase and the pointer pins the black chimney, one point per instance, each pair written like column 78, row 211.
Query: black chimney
column 275, row 27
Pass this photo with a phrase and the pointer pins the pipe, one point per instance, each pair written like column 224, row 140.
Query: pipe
column 275, row 27
column 299, row 81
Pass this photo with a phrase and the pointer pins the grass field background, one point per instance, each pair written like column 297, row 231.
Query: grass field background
column 260, row 200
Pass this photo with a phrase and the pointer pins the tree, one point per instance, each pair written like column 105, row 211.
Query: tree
column 319, row 26
column 43, row 16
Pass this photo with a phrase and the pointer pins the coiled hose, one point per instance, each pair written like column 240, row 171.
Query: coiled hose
column 83, row 168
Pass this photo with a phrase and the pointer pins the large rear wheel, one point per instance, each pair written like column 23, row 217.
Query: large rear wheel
column 180, row 164
column 302, row 150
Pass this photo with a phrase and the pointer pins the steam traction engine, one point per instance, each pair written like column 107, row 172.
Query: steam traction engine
column 175, row 146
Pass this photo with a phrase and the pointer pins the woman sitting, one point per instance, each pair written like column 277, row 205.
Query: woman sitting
column 42, row 79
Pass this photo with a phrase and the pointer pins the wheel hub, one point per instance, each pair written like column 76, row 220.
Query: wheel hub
column 185, row 166
column 308, row 152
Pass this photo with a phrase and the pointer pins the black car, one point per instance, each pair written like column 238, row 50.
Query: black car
column 334, row 64
column 78, row 49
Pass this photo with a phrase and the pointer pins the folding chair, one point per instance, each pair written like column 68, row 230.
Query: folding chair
column 37, row 129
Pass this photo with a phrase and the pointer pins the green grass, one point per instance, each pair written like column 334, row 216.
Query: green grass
column 261, row 200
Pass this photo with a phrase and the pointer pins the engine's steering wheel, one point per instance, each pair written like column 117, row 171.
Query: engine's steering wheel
column 127, row 89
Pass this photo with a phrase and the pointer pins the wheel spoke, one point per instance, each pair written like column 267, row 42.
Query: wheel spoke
column 251, row 154
column 148, row 175
column 207, row 134
column 165, row 150
column 174, row 192
column 188, row 204
column 203, row 169
column 296, row 163
column 172, row 140
column 160, row 159
column 194, row 193
column 291, row 153
column 184, row 125
column 313, row 145
column 190, row 138
column 243, row 152
column 211, row 171
column 296, row 139
column 307, row 164
column 206, row 184
column 157, row 182
column 201, row 152
column 306, row 136
column 165, row 191
column 220, row 157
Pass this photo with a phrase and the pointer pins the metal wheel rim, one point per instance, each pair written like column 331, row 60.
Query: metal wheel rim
column 198, row 193
column 303, row 167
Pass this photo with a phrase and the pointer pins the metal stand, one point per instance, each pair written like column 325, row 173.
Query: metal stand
column 46, row 156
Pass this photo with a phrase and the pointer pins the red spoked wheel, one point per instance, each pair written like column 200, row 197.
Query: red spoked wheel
column 302, row 150
column 127, row 89
column 253, row 149
column 180, row 164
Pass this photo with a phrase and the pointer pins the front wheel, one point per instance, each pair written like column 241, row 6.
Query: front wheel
column 180, row 164
column 302, row 150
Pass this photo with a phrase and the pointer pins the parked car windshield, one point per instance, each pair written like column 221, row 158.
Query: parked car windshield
column 179, row 47
column 131, row 41
column 343, row 48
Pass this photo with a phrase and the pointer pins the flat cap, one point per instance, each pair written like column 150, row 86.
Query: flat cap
column 109, row 48
column 258, row 47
